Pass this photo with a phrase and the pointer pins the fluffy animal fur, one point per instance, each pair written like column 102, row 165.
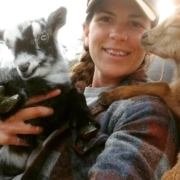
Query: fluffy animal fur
column 40, row 68
column 164, row 41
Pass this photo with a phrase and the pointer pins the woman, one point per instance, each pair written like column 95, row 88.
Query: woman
column 138, row 136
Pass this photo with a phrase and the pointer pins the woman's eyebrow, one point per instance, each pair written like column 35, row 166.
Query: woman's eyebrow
column 136, row 16
column 107, row 12
column 130, row 16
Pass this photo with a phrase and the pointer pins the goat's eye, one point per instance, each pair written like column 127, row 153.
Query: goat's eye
column 44, row 38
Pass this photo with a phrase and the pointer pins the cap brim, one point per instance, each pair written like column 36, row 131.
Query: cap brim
column 147, row 10
column 144, row 7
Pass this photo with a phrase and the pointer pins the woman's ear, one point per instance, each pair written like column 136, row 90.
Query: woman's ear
column 86, row 35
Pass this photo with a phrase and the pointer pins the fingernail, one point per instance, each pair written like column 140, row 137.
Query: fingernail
column 57, row 91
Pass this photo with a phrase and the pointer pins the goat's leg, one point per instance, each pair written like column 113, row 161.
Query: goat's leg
column 123, row 92
column 161, row 89
column 80, row 116
column 174, row 173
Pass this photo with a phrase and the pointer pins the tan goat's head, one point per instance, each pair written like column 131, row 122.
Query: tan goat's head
column 164, row 39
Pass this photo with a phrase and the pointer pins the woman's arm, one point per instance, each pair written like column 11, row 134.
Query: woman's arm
column 15, row 124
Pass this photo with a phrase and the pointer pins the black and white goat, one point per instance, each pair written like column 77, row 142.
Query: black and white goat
column 40, row 68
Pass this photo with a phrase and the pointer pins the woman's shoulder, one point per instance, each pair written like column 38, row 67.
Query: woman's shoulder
column 144, row 109
column 141, row 101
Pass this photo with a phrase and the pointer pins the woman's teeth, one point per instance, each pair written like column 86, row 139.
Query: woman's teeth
column 116, row 53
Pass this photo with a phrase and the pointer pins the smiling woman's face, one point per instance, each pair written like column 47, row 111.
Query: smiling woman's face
column 113, row 37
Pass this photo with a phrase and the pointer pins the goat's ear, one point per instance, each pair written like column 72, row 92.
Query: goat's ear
column 2, row 35
column 56, row 20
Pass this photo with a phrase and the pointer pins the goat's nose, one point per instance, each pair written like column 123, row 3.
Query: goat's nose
column 23, row 67
column 144, row 35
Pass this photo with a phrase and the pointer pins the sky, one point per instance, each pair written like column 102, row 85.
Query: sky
column 14, row 11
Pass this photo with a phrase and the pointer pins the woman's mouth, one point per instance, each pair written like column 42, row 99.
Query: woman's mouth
column 116, row 53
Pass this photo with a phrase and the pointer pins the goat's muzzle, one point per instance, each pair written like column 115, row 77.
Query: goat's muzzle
column 24, row 67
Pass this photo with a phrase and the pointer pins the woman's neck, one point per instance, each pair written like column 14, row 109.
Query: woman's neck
column 105, row 82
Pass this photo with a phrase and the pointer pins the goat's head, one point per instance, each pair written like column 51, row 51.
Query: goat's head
column 164, row 39
column 34, row 44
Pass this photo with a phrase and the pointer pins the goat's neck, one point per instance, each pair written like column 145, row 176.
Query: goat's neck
column 58, row 74
column 59, row 78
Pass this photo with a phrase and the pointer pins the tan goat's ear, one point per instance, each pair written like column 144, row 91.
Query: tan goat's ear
column 1, row 35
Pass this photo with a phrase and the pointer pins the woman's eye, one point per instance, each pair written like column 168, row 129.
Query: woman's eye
column 136, row 24
column 106, row 19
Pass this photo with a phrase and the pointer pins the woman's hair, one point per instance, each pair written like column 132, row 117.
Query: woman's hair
column 82, row 72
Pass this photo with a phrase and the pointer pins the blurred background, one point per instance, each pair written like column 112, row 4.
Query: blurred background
column 70, row 36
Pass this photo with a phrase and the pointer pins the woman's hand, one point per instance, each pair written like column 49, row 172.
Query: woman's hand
column 15, row 124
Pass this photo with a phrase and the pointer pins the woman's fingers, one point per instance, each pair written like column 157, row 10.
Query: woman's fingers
column 44, row 97
column 15, row 124
column 20, row 128
column 31, row 113
column 15, row 140
column 12, row 140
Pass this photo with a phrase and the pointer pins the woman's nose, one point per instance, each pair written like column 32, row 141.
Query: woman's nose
column 119, row 33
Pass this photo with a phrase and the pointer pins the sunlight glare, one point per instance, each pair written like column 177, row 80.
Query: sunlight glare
column 165, row 8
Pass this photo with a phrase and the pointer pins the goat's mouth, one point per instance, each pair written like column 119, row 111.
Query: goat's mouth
column 27, row 74
column 144, row 43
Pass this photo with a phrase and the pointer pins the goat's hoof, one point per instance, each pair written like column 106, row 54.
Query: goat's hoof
column 8, row 103
column 88, row 131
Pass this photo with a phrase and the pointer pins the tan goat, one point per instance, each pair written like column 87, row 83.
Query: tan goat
column 164, row 41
